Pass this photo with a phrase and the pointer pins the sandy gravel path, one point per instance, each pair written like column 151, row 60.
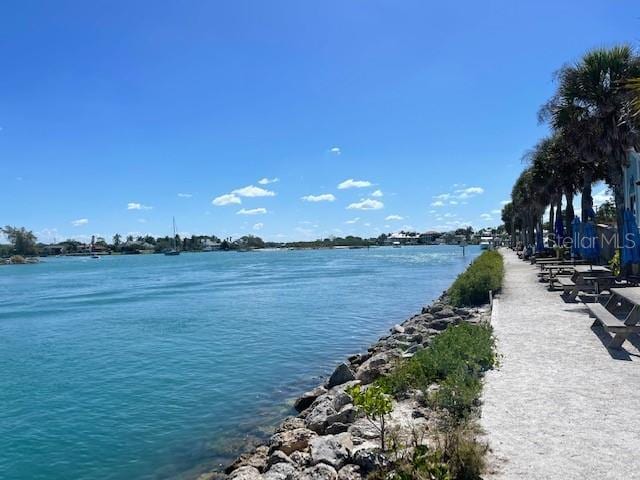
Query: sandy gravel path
column 561, row 406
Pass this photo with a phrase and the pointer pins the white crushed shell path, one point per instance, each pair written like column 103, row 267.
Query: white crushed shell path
column 560, row 405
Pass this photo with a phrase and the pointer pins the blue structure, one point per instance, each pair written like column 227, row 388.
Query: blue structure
column 575, row 240
column 589, row 244
column 630, row 242
column 559, row 230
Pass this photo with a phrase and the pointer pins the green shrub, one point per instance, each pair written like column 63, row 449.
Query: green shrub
column 455, row 360
column 375, row 404
column 472, row 287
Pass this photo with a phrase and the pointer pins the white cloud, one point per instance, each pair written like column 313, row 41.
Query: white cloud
column 253, row 191
column 470, row 192
column 258, row 226
column 252, row 211
column 267, row 181
column 496, row 211
column 437, row 203
column 602, row 196
column 394, row 217
column 351, row 183
column 453, row 202
column 377, row 193
column 367, row 224
column 137, row 206
column 486, row 216
column 352, row 221
column 504, row 202
column 325, row 197
column 185, row 195
column 443, row 196
column 335, row 150
column 226, row 199
column 366, row 204
column 79, row 222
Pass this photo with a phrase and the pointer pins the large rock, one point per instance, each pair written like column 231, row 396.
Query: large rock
column 348, row 414
column 256, row 459
column 342, row 374
column 397, row 329
column 331, row 449
column 322, row 471
column 280, row 471
column 369, row 459
column 291, row 440
column 307, row 398
column 349, row 472
column 290, row 423
column 245, row 473
column 444, row 313
column 373, row 368
column 278, row 456
column 318, row 414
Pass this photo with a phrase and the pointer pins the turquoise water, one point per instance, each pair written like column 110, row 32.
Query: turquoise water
column 150, row 367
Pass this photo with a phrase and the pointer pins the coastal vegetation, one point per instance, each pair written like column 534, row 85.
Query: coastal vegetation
column 594, row 121
column 472, row 286
column 24, row 242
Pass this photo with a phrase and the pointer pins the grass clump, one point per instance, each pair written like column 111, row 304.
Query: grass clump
column 472, row 287
column 455, row 361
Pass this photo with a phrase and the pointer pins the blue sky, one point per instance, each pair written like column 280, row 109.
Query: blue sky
column 116, row 116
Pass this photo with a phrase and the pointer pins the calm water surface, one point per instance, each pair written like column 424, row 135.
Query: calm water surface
column 152, row 367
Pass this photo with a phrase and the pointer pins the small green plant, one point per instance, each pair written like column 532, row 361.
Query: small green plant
column 614, row 263
column 455, row 361
column 472, row 287
column 375, row 404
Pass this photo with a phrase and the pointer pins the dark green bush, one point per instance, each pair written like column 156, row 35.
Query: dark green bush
column 472, row 287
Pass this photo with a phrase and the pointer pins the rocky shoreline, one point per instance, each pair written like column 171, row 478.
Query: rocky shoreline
column 330, row 439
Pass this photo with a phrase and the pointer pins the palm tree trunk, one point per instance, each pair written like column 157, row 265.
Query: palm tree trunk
column 568, row 212
column 587, row 198
column 551, row 221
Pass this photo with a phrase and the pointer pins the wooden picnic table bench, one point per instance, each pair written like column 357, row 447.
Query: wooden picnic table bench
column 580, row 281
column 608, row 315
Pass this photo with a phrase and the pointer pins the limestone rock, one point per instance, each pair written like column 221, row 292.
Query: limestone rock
column 320, row 471
column 397, row 328
column 340, row 375
column 301, row 459
column 291, row 440
column 372, row 368
column 256, row 459
column 245, row 473
column 290, row 423
column 319, row 412
column 349, row 472
column 331, row 449
column 278, row 456
column 347, row 415
column 369, row 459
column 444, row 313
column 307, row 398
column 280, row 471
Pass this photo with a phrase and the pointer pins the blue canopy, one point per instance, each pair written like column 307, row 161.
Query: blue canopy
column 575, row 241
column 559, row 230
column 539, row 241
column 630, row 243
column 589, row 244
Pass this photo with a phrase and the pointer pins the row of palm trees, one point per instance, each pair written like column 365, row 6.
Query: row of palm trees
column 594, row 119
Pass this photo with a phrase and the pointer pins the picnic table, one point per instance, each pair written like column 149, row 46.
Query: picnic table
column 620, row 315
column 582, row 279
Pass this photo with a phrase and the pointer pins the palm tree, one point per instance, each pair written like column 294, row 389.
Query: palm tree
column 591, row 108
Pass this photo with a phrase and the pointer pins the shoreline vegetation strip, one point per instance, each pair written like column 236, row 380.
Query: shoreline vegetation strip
column 405, row 409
